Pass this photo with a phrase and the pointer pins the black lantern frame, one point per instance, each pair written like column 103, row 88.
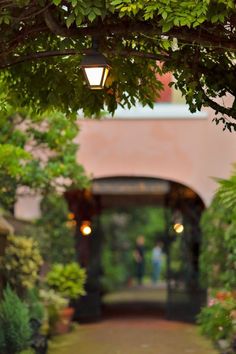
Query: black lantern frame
column 95, row 67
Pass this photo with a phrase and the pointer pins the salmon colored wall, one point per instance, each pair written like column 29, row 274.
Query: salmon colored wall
column 186, row 151
column 166, row 94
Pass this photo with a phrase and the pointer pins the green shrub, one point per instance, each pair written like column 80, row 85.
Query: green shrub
column 35, row 306
column 21, row 263
column 218, row 256
column 216, row 322
column 218, row 264
column 68, row 280
column 15, row 332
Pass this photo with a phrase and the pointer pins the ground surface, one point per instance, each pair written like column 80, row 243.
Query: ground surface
column 138, row 330
column 134, row 294
column 133, row 336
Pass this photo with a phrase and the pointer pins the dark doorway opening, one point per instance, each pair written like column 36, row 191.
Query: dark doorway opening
column 180, row 205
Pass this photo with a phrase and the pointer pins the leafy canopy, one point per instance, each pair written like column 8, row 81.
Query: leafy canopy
column 42, row 43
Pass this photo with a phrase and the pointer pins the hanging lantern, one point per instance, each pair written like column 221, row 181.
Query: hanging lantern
column 95, row 67
column 96, row 70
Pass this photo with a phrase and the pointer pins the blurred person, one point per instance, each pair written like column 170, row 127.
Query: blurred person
column 156, row 262
column 139, row 258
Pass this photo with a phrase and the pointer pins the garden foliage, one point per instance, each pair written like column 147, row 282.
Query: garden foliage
column 35, row 306
column 218, row 257
column 68, row 280
column 21, row 263
column 54, row 303
column 36, row 153
column 15, row 332
column 218, row 265
column 53, row 231
column 216, row 320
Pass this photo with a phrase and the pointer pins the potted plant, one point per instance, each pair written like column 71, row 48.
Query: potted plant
column 69, row 281
column 54, row 304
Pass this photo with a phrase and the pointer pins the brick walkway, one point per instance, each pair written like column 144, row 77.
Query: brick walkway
column 142, row 331
column 132, row 336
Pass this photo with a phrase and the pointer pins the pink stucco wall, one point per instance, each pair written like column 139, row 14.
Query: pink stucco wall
column 185, row 151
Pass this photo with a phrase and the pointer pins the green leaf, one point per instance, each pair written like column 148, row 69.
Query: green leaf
column 56, row 2
column 166, row 27
column 91, row 16
column 164, row 15
column 70, row 20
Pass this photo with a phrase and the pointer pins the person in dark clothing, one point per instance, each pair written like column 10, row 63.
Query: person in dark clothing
column 139, row 258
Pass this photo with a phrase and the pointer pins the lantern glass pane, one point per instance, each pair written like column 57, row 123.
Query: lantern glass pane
column 94, row 76
column 105, row 76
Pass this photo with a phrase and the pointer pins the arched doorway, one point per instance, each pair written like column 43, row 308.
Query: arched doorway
column 181, row 205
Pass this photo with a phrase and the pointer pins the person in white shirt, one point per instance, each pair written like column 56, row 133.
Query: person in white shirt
column 156, row 262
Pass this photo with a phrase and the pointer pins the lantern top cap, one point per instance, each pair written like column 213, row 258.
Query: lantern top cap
column 94, row 60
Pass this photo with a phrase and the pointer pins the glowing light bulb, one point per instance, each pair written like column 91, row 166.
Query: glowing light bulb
column 85, row 228
column 179, row 228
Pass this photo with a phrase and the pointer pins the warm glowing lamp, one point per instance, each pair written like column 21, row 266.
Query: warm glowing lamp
column 85, row 228
column 178, row 227
column 95, row 68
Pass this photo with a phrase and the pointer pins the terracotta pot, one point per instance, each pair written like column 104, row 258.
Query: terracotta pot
column 64, row 322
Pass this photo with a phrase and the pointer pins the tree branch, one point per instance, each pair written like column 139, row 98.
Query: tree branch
column 68, row 52
column 124, row 27
column 21, row 38
column 33, row 14
column 54, row 26
column 216, row 106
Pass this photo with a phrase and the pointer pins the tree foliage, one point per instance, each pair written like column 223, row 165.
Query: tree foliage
column 54, row 231
column 42, row 43
column 37, row 153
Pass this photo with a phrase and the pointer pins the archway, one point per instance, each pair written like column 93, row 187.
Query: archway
column 184, row 293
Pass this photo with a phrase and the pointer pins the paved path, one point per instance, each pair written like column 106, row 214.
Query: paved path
column 132, row 336
column 134, row 324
